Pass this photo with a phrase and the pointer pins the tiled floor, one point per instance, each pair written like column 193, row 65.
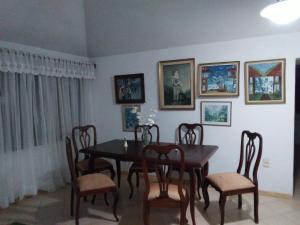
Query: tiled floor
column 53, row 209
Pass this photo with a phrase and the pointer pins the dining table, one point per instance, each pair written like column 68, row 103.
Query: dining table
column 196, row 156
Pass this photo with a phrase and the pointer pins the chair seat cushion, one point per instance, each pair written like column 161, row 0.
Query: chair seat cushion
column 230, row 181
column 100, row 164
column 172, row 191
column 95, row 181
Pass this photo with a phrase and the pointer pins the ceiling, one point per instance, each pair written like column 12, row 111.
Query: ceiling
column 122, row 26
column 108, row 27
column 51, row 24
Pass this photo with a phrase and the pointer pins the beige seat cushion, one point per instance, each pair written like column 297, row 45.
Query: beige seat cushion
column 94, row 181
column 230, row 181
column 100, row 164
column 172, row 191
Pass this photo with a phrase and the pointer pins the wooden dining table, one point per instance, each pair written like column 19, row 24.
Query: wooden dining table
column 196, row 156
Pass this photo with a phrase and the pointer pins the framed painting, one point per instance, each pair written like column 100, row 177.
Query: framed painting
column 129, row 88
column 265, row 82
column 129, row 117
column 176, row 84
column 219, row 79
column 216, row 113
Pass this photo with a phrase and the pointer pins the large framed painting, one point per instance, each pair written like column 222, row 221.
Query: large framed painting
column 129, row 88
column 216, row 113
column 129, row 117
column 265, row 82
column 176, row 84
column 219, row 79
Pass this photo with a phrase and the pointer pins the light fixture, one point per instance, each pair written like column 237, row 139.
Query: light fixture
column 282, row 12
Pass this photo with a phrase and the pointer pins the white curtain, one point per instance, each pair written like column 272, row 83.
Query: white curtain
column 25, row 62
column 36, row 113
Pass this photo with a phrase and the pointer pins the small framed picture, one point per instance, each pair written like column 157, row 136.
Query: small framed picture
column 216, row 113
column 265, row 82
column 129, row 88
column 176, row 84
column 129, row 117
column 219, row 79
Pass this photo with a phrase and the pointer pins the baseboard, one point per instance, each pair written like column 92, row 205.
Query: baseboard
column 276, row 194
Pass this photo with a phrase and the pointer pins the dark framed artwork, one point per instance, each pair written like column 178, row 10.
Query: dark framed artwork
column 129, row 117
column 216, row 113
column 129, row 88
column 265, row 82
column 176, row 84
column 219, row 79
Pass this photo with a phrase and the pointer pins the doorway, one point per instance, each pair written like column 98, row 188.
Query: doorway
column 297, row 134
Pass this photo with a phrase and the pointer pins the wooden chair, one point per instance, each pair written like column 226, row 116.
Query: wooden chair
column 163, row 193
column 236, row 183
column 90, row 184
column 192, row 134
column 88, row 138
column 136, row 167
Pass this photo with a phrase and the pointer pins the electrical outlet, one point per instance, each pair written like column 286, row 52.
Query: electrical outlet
column 266, row 162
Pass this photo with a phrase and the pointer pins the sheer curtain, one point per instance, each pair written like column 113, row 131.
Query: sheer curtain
column 36, row 113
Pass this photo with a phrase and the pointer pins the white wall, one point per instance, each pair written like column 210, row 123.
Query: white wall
column 274, row 122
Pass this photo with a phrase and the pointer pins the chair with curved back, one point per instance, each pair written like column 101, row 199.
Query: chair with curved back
column 164, row 190
column 237, row 183
column 85, row 137
column 89, row 184
column 136, row 167
column 192, row 134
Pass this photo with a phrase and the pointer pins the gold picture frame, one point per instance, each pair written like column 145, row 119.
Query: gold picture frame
column 129, row 119
column 176, row 84
column 265, row 81
column 220, row 79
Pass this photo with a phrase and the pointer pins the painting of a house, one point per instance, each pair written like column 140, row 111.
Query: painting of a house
column 265, row 81
column 219, row 79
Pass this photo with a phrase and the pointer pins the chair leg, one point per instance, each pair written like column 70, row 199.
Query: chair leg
column 240, row 201
column 93, row 199
column 130, row 183
column 186, row 204
column 199, row 181
column 137, row 179
column 222, row 202
column 205, row 194
column 256, row 200
column 182, row 213
column 105, row 199
column 112, row 172
column 77, row 214
column 116, row 198
column 72, row 201
column 146, row 212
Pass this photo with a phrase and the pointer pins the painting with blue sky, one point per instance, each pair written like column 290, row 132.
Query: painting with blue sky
column 265, row 81
column 219, row 79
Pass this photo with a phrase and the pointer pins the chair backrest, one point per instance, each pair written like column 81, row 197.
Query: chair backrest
column 188, row 133
column 161, row 159
column 83, row 137
column 251, row 151
column 71, row 162
column 151, row 131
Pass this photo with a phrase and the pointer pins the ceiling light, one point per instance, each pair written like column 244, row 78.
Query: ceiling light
column 282, row 12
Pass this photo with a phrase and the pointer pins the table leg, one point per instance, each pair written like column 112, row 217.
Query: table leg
column 92, row 163
column 118, row 164
column 192, row 195
column 204, row 173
